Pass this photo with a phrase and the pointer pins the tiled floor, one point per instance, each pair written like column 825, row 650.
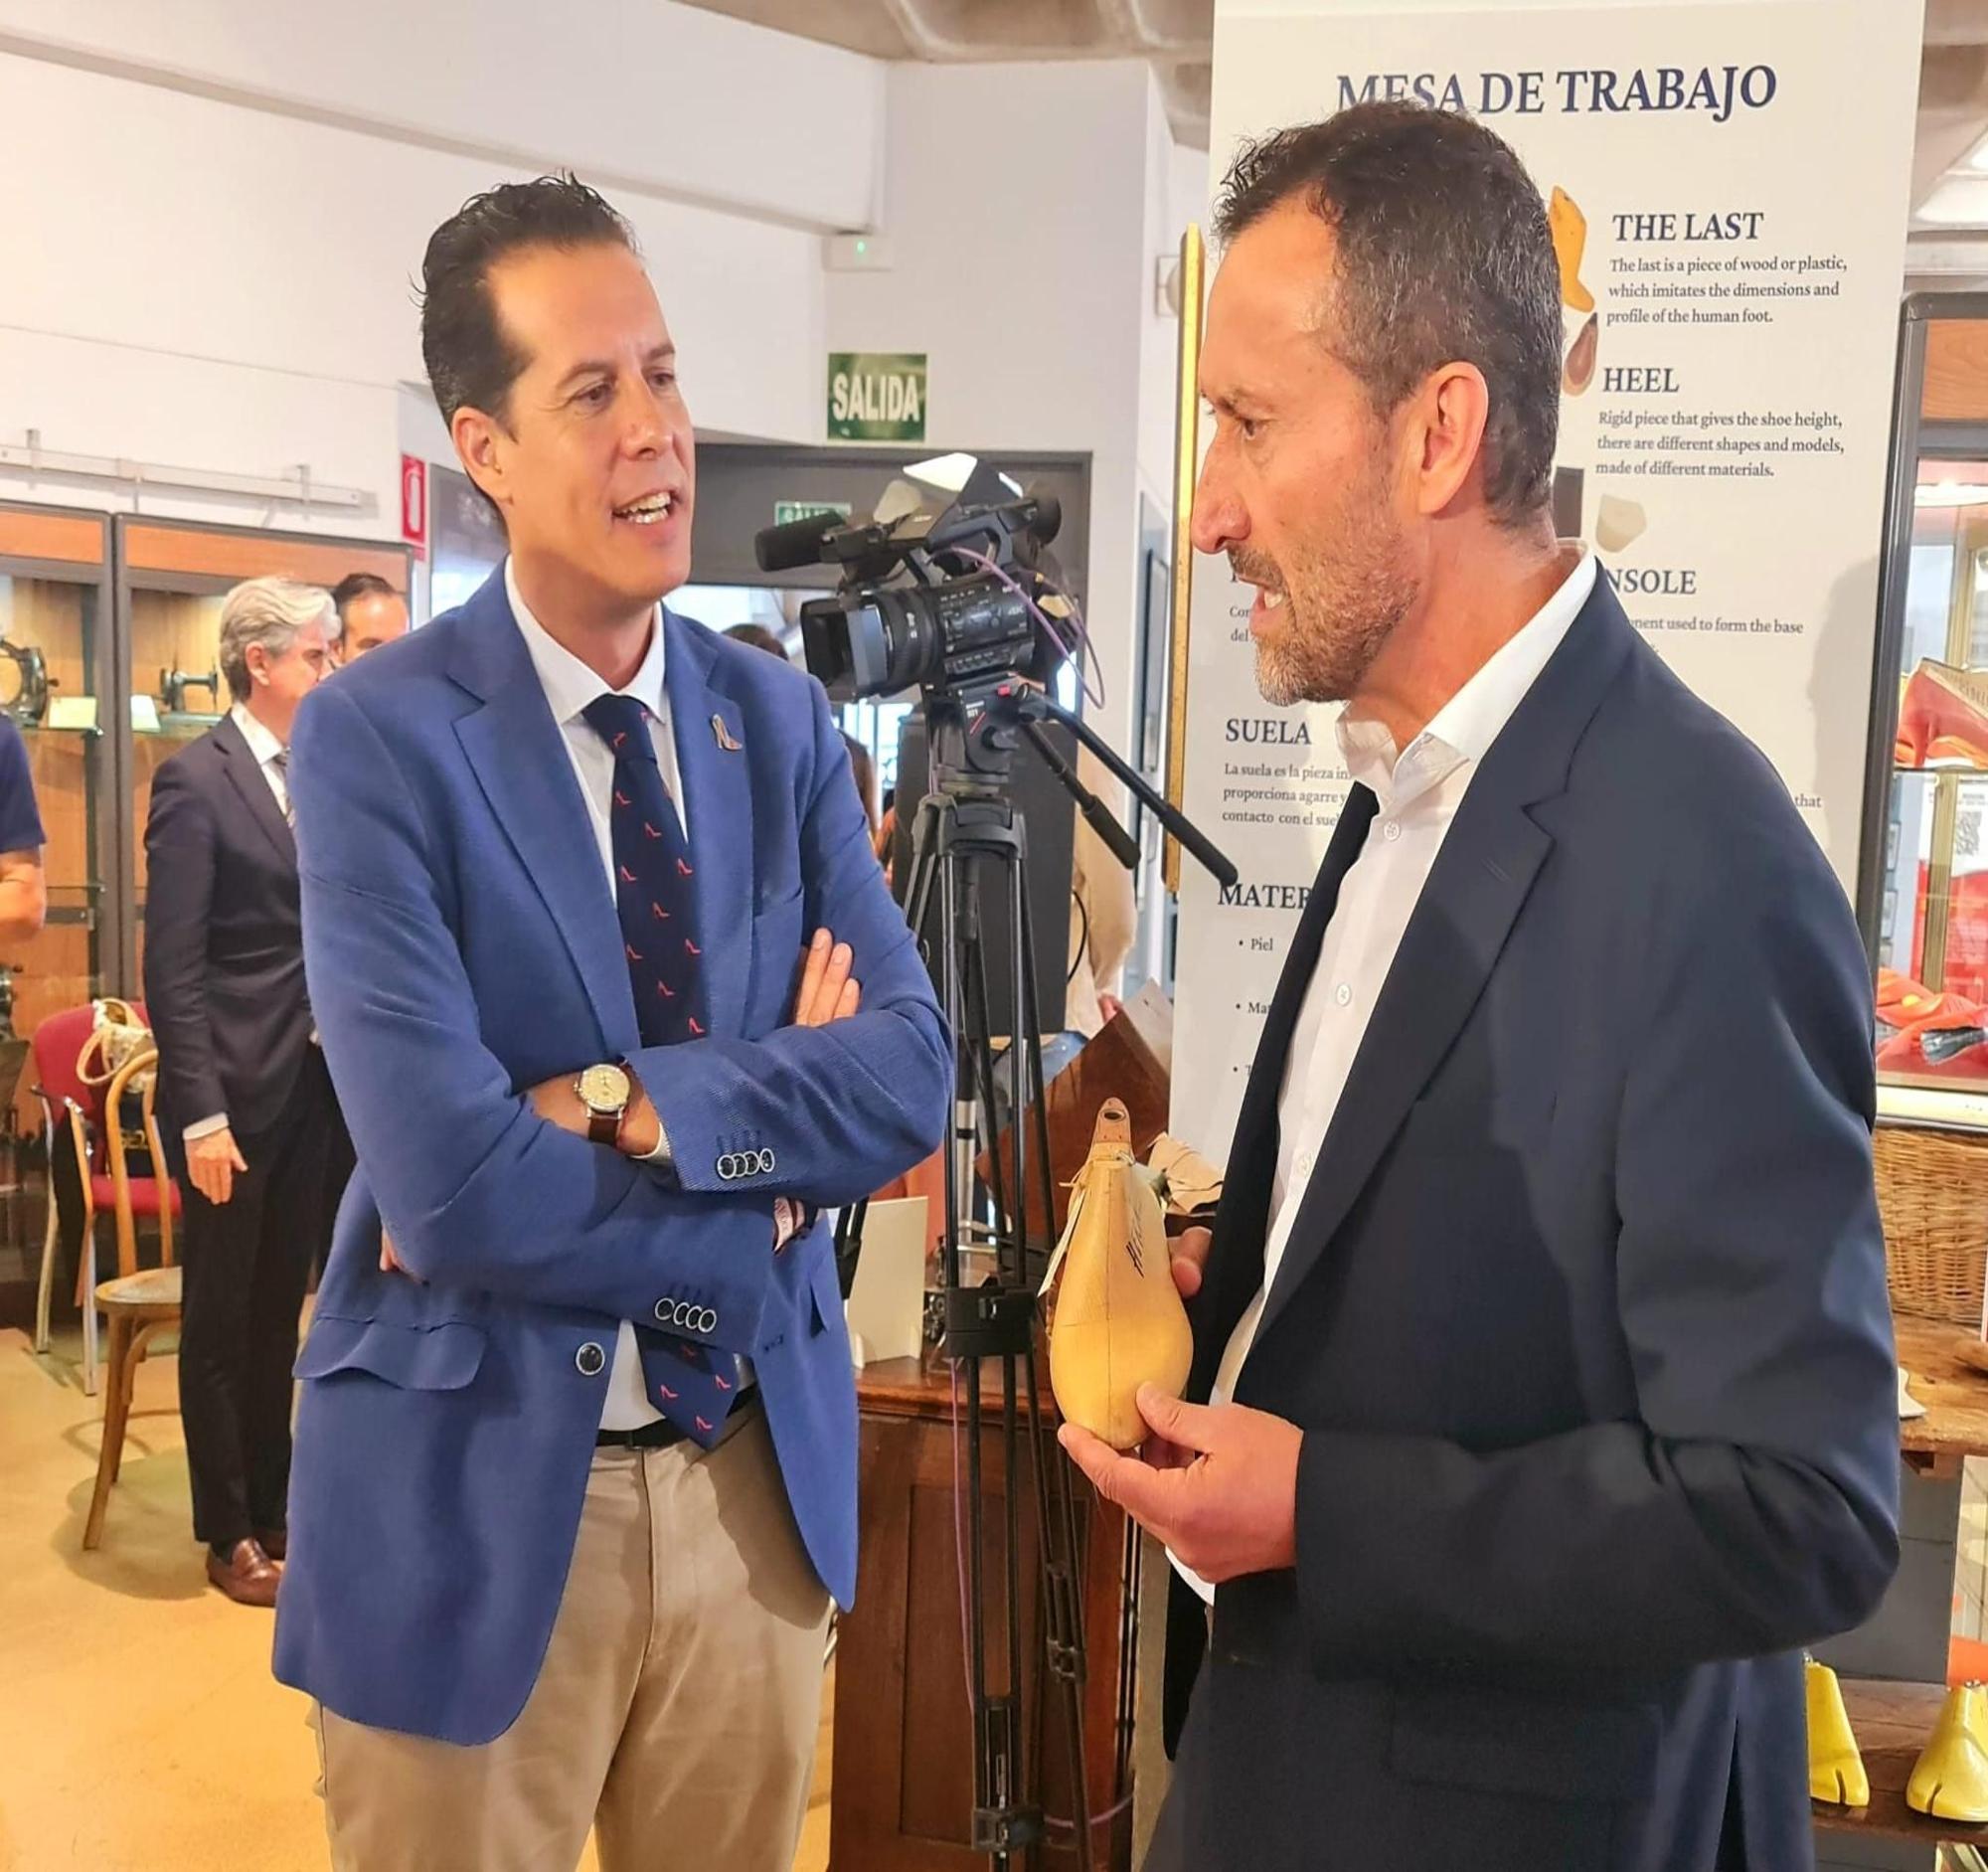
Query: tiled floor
column 140, row 1730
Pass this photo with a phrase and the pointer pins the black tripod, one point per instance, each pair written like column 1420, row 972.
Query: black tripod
column 970, row 856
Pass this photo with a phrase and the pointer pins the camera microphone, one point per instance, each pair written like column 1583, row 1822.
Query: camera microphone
column 794, row 543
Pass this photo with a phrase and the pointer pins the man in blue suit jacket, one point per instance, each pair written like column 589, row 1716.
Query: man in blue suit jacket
column 1542, row 1401
column 575, row 1459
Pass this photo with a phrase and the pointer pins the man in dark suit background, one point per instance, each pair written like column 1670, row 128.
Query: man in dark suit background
column 1542, row 1399
column 241, row 1079
column 371, row 615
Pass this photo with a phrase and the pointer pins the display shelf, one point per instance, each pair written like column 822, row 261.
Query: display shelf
column 1954, row 1392
column 1940, row 1104
column 1891, row 1721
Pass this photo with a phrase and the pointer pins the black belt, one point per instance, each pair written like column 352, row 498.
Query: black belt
column 662, row 1433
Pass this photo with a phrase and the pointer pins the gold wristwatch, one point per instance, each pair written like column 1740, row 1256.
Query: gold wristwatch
column 606, row 1091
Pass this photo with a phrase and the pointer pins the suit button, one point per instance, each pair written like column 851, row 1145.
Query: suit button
column 590, row 1359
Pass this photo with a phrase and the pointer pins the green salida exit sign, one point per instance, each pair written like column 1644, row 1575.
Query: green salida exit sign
column 876, row 396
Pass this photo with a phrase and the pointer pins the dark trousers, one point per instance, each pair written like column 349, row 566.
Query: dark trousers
column 247, row 1262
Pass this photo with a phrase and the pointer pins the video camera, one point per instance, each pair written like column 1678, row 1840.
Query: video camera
column 953, row 600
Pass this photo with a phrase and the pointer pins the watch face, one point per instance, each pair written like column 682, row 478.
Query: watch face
column 604, row 1089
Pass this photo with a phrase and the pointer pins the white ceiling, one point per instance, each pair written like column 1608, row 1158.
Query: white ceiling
column 1174, row 34
column 1949, row 236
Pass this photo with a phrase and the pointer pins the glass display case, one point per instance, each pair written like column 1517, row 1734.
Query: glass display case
column 1924, row 884
column 54, row 670
column 108, row 631
column 171, row 580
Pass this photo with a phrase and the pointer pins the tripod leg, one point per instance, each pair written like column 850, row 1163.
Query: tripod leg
column 926, row 851
column 996, row 1320
column 1002, row 1823
column 953, row 1001
column 981, row 1046
column 1131, row 1578
column 1011, row 1549
column 987, row 1764
column 1055, row 1511
column 1025, row 1050
column 1038, row 1098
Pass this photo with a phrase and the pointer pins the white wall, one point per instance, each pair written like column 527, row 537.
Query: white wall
column 216, row 212
column 1015, row 211
column 198, row 281
column 1176, row 188
column 647, row 95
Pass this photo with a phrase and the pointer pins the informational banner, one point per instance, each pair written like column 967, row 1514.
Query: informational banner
column 1727, row 186
column 876, row 396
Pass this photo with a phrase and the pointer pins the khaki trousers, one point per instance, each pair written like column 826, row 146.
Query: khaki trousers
column 676, row 1712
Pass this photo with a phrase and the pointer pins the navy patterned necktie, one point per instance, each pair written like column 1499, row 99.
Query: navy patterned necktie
column 655, row 896
column 654, row 884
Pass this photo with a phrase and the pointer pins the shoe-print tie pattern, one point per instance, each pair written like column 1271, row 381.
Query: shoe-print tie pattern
column 655, row 894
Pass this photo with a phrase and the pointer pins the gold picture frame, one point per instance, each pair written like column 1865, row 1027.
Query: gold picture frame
column 1186, row 462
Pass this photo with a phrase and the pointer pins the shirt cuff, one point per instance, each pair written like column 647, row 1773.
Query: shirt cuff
column 205, row 1127
column 662, row 1155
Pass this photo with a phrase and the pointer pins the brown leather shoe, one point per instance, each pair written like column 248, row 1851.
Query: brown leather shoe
column 248, row 1576
column 275, row 1542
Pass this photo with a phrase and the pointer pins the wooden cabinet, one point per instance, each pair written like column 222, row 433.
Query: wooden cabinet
column 903, row 1741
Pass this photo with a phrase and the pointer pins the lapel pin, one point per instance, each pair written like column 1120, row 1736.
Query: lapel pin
column 724, row 734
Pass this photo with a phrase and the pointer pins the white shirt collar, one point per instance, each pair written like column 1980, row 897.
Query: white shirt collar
column 567, row 682
column 1471, row 720
column 261, row 743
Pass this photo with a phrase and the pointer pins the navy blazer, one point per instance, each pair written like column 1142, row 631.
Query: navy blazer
column 1585, row 1319
column 223, row 940
column 463, row 945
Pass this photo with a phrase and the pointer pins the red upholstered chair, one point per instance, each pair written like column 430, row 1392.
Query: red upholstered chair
column 69, row 1104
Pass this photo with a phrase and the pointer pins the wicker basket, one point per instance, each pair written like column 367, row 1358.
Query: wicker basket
column 1932, row 1191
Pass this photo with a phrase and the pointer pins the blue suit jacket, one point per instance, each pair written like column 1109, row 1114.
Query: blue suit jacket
column 1585, row 1319
column 461, row 946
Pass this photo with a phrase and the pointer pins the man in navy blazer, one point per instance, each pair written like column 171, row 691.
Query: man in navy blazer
column 1543, row 1402
column 575, row 1457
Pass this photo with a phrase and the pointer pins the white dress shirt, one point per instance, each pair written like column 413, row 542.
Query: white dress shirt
column 1419, row 792
column 569, row 687
column 271, row 756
